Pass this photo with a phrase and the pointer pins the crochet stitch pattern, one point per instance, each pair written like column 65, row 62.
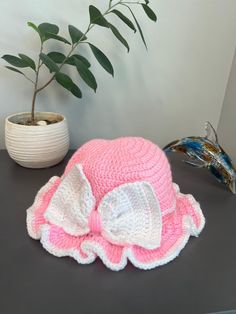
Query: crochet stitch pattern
column 116, row 201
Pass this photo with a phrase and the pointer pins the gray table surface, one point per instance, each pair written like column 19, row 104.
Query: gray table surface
column 201, row 280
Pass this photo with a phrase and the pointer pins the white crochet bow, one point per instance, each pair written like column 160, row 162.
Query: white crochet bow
column 129, row 214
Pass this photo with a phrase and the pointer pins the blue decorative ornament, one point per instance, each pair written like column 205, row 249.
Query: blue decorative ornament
column 206, row 152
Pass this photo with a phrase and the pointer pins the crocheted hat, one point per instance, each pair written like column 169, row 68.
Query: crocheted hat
column 115, row 201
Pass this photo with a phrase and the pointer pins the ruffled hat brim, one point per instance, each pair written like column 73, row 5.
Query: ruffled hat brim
column 185, row 221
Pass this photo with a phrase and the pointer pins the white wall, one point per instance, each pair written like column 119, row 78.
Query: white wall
column 227, row 124
column 165, row 93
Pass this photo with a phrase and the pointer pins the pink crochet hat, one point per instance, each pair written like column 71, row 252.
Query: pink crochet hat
column 116, row 201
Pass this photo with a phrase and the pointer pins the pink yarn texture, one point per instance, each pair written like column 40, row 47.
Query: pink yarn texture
column 108, row 169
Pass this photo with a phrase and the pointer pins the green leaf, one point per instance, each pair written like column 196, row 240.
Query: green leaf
column 14, row 70
column 75, row 34
column 28, row 60
column 149, row 12
column 15, row 61
column 96, row 17
column 57, row 57
column 50, row 64
column 47, row 28
column 146, row 1
column 86, row 75
column 76, row 91
column 32, row 25
column 125, row 19
column 57, row 37
column 138, row 26
column 65, row 81
column 102, row 59
column 71, row 60
column 119, row 36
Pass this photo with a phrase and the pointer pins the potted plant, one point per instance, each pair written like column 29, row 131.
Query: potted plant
column 40, row 139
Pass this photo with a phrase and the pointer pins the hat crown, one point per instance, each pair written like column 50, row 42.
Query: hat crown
column 108, row 164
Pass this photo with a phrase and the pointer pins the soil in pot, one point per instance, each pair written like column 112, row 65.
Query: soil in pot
column 38, row 121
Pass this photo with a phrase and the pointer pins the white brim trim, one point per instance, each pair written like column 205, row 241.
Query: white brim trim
column 36, row 204
column 93, row 249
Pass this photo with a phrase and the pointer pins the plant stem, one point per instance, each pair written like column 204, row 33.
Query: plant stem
column 36, row 88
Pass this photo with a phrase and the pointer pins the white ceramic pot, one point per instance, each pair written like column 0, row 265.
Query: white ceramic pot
column 37, row 146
